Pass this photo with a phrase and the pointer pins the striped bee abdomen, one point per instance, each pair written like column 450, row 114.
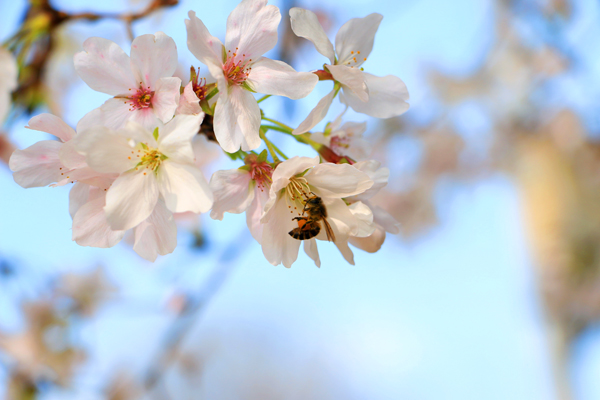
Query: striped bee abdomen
column 306, row 232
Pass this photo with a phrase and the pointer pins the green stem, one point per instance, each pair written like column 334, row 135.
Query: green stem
column 269, row 146
column 266, row 96
column 284, row 126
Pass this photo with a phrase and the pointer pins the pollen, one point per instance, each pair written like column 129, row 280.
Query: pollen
column 237, row 69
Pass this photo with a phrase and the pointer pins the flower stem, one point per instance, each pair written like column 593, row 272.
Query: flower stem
column 266, row 96
column 269, row 146
column 284, row 126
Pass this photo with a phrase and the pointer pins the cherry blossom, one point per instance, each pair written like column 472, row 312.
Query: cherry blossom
column 150, row 166
column 240, row 69
column 8, row 80
column 381, row 97
column 243, row 189
column 143, row 85
column 345, row 140
column 294, row 181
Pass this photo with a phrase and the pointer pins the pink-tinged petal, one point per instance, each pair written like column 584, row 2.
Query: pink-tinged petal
column 279, row 79
column 343, row 223
column 316, row 115
column 237, row 120
column 232, row 192
column 153, row 57
column 305, row 24
column 385, row 220
column 254, row 213
column 388, row 97
column 105, row 67
column 166, row 98
column 205, row 47
column 378, row 175
column 114, row 114
column 90, row 177
column 189, row 103
column 364, row 219
column 184, row 188
column 277, row 245
column 90, row 120
column 252, row 28
column 131, row 199
column 106, row 151
column 175, row 138
column 337, row 180
column 311, row 250
column 145, row 117
column 53, row 125
column 38, row 165
column 351, row 79
column 70, row 157
column 90, row 227
column 157, row 234
column 354, row 40
column 78, row 196
column 370, row 244
column 289, row 168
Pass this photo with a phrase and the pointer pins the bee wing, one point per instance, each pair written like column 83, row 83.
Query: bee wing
column 328, row 231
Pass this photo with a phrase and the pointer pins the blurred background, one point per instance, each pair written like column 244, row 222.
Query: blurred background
column 491, row 291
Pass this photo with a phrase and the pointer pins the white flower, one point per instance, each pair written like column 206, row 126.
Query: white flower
column 294, row 181
column 143, row 85
column 243, row 189
column 383, row 221
column 8, row 80
column 150, row 165
column 345, row 140
column 239, row 68
column 381, row 97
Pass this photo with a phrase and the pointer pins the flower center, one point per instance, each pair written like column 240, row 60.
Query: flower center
column 148, row 158
column 141, row 99
column 261, row 173
column 296, row 193
column 354, row 60
column 199, row 86
column 339, row 144
column 236, row 69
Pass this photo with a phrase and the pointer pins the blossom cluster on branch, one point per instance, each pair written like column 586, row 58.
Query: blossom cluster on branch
column 133, row 166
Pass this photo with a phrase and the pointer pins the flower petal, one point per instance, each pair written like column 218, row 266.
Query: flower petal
column 105, row 67
column 175, row 138
column 157, row 234
column 201, row 43
column 237, row 121
column 78, row 196
column 184, row 188
column 279, row 79
column 115, row 113
column 106, row 151
column 311, row 250
column 70, row 157
column 38, row 165
column 232, row 192
column 53, row 125
column 189, row 103
column 90, row 227
column 350, row 78
column 252, row 28
column 153, row 57
column 131, row 199
column 284, row 171
column 337, row 180
column 355, row 39
column 277, row 245
column 385, row 220
column 90, row 120
column 378, row 175
column 364, row 218
column 166, row 98
column 387, row 97
column 370, row 244
column 316, row 115
column 254, row 213
column 305, row 24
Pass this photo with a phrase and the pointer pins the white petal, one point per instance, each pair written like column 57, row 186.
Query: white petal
column 189, row 103
column 184, row 188
column 201, row 43
column 385, row 220
column 153, row 57
column 166, row 98
column 388, row 97
column 105, row 67
column 254, row 213
column 305, row 24
column 90, row 120
column 175, row 138
column 316, row 115
column 156, row 235
column 232, row 192
column 53, row 125
column 138, row 133
column 277, row 245
column 252, row 28
column 357, row 35
column 343, row 223
column 106, row 151
column 237, row 121
column 38, row 165
column 337, row 180
column 311, row 250
column 351, row 79
column 370, row 244
column 284, row 171
column 364, row 217
column 378, row 175
column 69, row 157
column 78, row 196
column 90, row 227
column 131, row 199
column 279, row 79
column 115, row 113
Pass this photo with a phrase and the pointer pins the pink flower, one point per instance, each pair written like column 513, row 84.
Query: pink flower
column 240, row 69
column 143, row 85
column 243, row 189
column 294, row 182
column 380, row 97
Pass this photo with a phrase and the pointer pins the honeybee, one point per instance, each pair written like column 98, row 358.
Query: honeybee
column 309, row 226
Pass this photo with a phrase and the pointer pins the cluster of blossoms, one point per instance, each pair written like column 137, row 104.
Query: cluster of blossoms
column 133, row 163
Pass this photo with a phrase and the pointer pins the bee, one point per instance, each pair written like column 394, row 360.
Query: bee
column 309, row 226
